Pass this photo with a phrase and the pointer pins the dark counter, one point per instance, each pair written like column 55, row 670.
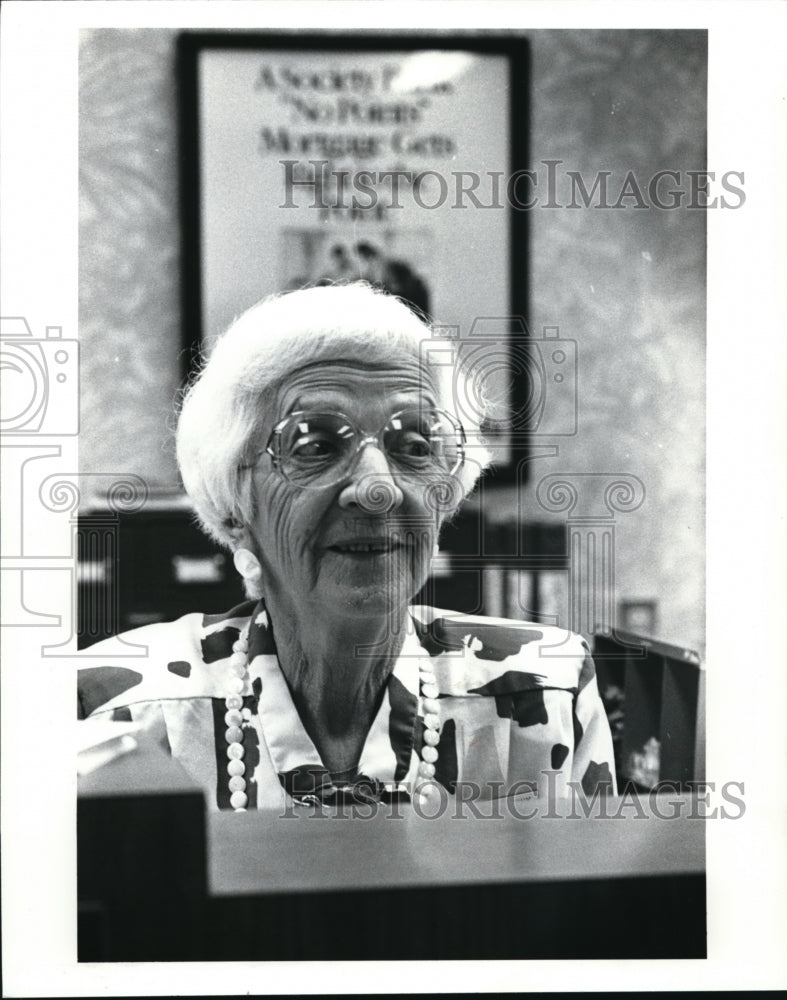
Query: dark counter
column 161, row 879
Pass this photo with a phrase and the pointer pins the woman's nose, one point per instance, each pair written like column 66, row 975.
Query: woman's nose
column 371, row 486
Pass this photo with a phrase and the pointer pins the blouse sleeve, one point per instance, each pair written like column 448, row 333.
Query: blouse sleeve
column 594, row 764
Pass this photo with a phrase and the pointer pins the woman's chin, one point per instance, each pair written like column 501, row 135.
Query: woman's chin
column 370, row 584
column 371, row 600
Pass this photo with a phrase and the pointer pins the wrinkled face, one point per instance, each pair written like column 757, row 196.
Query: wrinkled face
column 363, row 545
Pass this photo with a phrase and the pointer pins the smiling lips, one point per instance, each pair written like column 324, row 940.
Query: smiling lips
column 371, row 545
column 362, row 538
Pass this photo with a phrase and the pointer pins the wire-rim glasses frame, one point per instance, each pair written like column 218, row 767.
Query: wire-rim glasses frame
column 344, row 465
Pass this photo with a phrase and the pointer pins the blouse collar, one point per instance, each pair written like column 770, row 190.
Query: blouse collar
column 390, row 738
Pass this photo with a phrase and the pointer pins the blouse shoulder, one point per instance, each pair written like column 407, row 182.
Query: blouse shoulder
column 473, row 654
column 165, row 660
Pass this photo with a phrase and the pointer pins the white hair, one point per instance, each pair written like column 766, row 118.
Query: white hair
column 222, row 408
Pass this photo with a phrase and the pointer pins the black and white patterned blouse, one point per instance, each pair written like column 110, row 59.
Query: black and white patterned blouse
column 519, row 706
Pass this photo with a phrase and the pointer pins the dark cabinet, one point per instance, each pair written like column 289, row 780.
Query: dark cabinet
column 148, row 567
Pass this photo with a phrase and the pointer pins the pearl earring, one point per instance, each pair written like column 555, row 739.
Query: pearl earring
column 247, row 564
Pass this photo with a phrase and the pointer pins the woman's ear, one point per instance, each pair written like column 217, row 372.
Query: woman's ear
column 240, row 536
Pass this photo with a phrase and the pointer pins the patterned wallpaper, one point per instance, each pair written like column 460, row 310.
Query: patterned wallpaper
column 629, row 286
column 626, row 285
column 129, row 314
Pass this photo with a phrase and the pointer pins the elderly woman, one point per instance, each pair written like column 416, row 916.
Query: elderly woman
column 319, row 445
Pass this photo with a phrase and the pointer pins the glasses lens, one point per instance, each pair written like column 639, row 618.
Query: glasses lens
column 314, row 448
column 423, row 440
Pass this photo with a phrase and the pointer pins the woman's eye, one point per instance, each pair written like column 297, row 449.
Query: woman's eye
column 313, row 447
column 413, row 446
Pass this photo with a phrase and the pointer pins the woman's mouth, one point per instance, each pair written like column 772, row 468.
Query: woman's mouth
column 362, row 548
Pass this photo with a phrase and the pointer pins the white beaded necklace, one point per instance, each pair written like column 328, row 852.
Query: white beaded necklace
column 237, row 717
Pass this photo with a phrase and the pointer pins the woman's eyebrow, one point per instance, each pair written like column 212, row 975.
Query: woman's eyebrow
column 305, row 403
column 397, row 401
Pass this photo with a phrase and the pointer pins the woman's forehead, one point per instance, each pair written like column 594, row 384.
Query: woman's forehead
column 358, row 386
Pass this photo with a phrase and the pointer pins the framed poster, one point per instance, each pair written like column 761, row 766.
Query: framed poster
column 314, row 159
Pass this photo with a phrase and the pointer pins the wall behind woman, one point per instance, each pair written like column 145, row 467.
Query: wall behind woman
column 627, row 285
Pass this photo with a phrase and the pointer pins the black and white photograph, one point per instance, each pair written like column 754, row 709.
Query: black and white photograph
column 392, row 498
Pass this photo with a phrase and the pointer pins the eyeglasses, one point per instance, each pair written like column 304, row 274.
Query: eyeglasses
column 316, row 450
